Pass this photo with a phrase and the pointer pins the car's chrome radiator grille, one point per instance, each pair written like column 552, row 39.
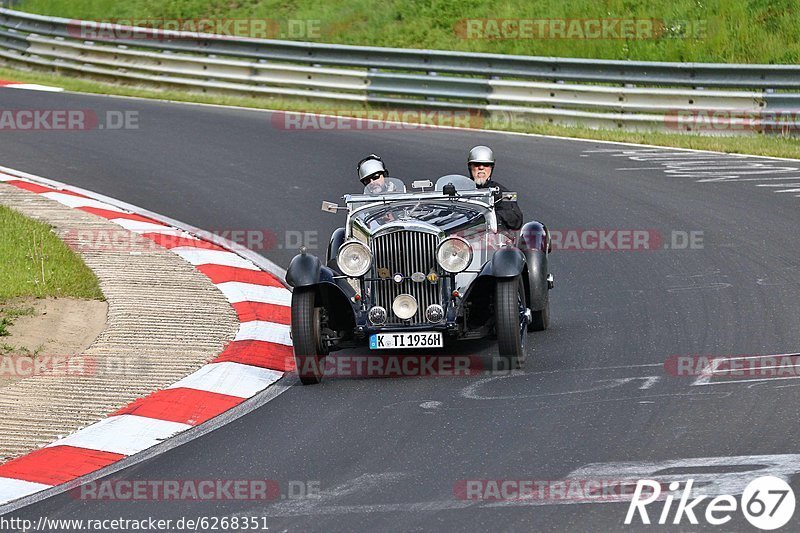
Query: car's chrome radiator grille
column 406, row 253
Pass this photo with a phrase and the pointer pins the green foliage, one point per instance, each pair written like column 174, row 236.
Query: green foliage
column 747, row 31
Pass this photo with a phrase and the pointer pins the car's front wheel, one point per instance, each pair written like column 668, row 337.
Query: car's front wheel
column 509, row 308
column 309, row 348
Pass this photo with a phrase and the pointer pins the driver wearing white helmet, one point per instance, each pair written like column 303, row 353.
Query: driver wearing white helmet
column 481, row 165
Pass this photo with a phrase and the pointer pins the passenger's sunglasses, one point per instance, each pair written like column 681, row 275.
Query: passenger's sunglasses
column 370, row 179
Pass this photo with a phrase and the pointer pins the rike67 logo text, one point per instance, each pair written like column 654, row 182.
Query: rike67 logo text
column 767, row 503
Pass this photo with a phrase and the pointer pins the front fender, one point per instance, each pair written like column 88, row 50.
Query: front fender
column 507, row 262
column 305, row 270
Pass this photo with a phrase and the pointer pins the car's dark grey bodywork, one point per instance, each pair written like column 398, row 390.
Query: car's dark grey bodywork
column 402, row 231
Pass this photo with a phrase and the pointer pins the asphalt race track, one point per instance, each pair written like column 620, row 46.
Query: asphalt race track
column 389, row 454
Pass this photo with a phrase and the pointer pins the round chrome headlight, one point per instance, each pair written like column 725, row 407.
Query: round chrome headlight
column 404, row 306
column 454, row 254
column 354, row 259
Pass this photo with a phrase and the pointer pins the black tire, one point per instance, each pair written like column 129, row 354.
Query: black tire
column 539, row 291
column 540, row 320
column 509, row 295
column 309, row 350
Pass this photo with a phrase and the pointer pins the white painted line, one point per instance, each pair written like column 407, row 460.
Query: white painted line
column 137, row 226
column 237, row 292
column 728, row 371
column 6, row 177
column 33, row 87
column 640, row 168
column 123, row 434
column 649, row 381
column 753, row 380
column 735, row 178
column 764, row 356
column 13, row 489
column 199, row 256
column 645, row 148
column 76, row 201
column 264, row 331
column 232, row 379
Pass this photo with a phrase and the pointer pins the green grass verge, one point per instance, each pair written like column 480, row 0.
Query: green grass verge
column 34, row 262
column 727, row 31
column 774, row 146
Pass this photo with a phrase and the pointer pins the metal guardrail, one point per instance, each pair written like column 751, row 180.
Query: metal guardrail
column 594, row 93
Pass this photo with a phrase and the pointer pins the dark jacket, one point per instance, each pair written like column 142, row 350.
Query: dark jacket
column 509, row 215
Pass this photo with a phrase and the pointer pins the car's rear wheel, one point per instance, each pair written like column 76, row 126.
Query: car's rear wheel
column 309, row 348
column 509, row 308
column 540, row 320
column 539, row 291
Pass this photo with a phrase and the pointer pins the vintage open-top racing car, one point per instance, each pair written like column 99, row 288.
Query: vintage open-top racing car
column 411, row 269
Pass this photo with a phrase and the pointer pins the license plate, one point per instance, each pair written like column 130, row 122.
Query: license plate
column 394, row 341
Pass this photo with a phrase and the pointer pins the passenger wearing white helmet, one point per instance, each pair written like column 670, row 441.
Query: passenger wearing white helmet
column 373, row 173
column 481, row 165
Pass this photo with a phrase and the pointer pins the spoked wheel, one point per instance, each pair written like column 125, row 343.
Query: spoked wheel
column 309, row 348
column 510, row 308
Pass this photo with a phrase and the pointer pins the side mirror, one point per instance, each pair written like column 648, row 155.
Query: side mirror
column 330, row 207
